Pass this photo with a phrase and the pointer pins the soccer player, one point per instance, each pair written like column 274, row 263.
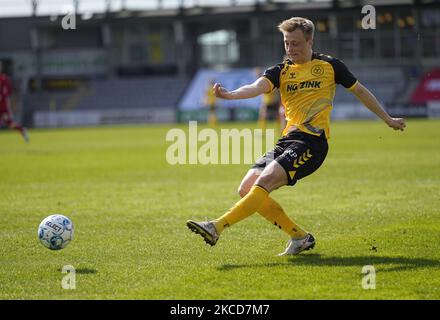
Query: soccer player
column 5, row 105
column 307, row 81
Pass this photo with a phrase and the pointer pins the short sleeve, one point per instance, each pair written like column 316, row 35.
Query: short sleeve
column 273, row 74
column 343, row 76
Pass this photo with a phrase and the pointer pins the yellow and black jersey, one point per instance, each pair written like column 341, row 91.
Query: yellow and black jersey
column 307, row 90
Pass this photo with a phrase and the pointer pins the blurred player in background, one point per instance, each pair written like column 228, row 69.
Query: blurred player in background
column 210, row 102
column 5, row 105
column 307, row 82
column 270, row 110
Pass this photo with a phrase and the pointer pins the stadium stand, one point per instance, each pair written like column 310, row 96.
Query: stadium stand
column 148, row 59
column 385, row 82
column 149, row 92
column 157, row 92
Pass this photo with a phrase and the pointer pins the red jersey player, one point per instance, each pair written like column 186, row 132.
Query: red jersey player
column 5, row 109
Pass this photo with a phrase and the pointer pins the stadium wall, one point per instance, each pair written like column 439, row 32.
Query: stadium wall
column 54, row 119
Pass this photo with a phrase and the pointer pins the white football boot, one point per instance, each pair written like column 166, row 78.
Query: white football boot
column 295, row 246
column 206, row 229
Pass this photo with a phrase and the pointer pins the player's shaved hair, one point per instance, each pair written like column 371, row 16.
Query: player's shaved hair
column 305, row 25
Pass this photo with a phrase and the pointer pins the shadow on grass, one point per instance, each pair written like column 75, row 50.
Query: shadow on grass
column 83, row 271
column 86, row 271
column 381, row 263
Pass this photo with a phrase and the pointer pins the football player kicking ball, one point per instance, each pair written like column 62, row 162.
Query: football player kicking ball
column 307, row 82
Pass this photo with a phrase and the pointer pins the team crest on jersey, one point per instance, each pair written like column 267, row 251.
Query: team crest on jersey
column 292, row 75
column 317, row 71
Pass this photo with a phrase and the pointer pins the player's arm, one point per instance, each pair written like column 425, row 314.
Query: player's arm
column 369, row 100
column 260, row 86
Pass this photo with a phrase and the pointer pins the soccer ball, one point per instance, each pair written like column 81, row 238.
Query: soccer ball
column 55, row 232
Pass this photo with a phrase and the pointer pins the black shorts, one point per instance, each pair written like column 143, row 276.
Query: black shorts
column 299, row 153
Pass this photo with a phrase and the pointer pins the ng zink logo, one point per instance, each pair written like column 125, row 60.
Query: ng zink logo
column 303, row 85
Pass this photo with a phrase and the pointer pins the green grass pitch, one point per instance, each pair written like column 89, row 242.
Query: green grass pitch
column 375, row 201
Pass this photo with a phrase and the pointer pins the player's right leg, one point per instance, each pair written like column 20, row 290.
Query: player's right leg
column 6, row 115
column 206, row 229
column 271, row 177
column 210, row 230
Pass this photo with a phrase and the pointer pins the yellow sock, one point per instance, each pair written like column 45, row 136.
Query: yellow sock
column 248, row 205
column 273, row 212
column 262, row 124
column 212, row 119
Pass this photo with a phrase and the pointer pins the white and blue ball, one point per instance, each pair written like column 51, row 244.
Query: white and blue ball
column 55, row 232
